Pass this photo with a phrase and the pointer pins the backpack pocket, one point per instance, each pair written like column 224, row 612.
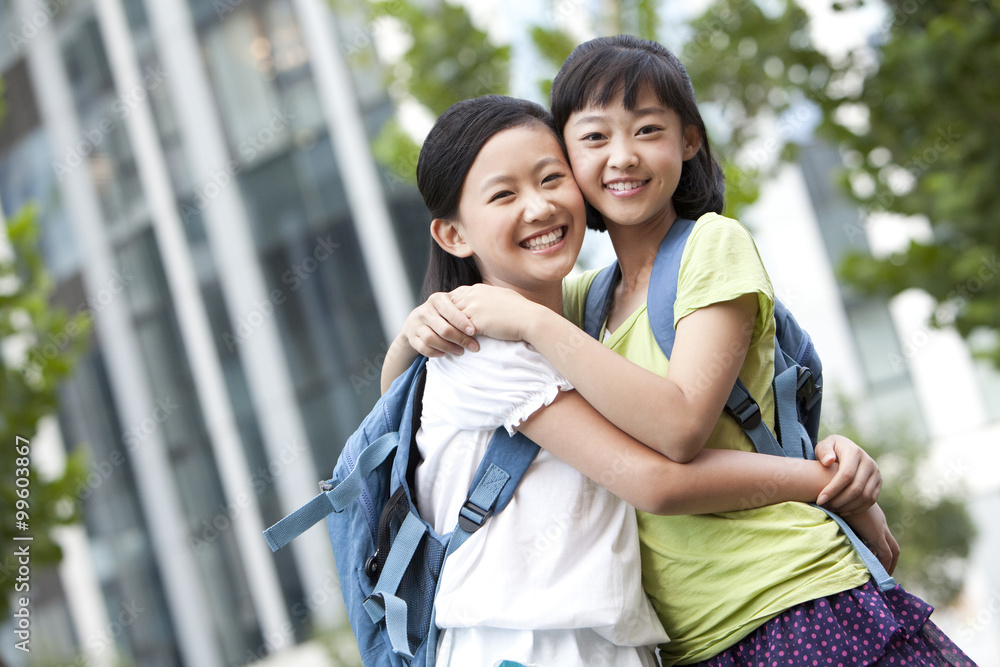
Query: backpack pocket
column 416, row 566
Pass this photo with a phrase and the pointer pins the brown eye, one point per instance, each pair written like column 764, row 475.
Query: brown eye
column 500, row 195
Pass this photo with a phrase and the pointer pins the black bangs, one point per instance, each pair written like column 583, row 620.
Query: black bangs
column 628, row 74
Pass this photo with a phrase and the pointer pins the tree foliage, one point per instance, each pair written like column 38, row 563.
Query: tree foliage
column 553, row 46
column 925, row 147
column 39, row 345
column 449, row 59
column 755, row 75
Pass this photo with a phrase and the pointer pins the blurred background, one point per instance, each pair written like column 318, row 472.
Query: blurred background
column 211, row 232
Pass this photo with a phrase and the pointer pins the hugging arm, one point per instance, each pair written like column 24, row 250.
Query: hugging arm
column 674, row 414
column 713, row 481
column 853, row 488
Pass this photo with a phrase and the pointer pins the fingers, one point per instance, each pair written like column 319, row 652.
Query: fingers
column 887, row 551
column 894, row 551
column 847, row 470
column 825, row 451
column 446, row 339
column 439, row 327
column 833, row 489
column 860, row 494
column 858, row 481
column 872, row 490
column 452, row 314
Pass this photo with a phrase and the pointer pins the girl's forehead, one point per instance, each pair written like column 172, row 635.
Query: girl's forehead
column 530, row 136
column 516, row 148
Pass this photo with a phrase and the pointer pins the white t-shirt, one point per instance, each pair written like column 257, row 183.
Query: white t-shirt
column 553, row 579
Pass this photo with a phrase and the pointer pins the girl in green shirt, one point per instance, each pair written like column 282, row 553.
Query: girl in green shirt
column 773, row 585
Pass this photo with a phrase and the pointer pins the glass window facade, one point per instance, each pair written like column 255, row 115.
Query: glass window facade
column 26, row 177
column 300, row 217
column 325, row 312
column 11, row 47
column 307, row 250
column 178, row 417
column 119, row 538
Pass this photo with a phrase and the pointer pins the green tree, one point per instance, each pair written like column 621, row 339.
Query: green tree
column 910, row 110
column 925, row 147
column 756, row 73
column 39, row 345
column 449, row 59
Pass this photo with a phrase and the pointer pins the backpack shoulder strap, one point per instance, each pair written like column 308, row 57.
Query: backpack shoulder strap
column 504, row 464
column 663, row 283
column 741, row 406
column 506, row 460
column 599, row 297
column 660, row 300
column 794, row 347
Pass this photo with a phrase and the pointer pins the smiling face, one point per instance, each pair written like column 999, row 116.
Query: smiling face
column 520, row 215
column 628, row 163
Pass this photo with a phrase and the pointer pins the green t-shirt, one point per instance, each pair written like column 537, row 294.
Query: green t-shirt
column 714, row 578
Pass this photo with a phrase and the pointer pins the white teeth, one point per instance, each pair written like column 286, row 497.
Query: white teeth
column 543, row 241
column 623, row 185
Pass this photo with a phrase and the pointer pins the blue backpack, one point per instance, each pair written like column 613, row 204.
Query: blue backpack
column 388, row 558
column 798, row 372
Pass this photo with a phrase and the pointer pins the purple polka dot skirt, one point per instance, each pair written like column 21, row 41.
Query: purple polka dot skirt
column 861, row 626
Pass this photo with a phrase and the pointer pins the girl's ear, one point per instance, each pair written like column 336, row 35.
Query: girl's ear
column 447, row 235
column 692, row 141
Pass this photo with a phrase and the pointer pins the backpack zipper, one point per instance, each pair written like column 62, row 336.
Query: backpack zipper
column 374, row 565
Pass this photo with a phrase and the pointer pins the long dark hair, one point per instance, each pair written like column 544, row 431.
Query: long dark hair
column 601, row 70
column 445, row 160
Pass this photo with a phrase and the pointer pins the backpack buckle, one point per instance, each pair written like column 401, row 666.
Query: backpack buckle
column 373, row 566
column 806, row 390
column 746, row 413
column 472, row 517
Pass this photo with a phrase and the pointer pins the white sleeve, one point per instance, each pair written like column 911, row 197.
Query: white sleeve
column 502, row 384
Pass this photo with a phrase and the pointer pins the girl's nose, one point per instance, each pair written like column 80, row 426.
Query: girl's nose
column 538, row 207
column 623, row 156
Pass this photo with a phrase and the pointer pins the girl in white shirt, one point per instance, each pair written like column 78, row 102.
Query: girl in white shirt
column 554, row 579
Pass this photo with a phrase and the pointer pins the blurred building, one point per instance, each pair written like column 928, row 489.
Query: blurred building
column 207, row 192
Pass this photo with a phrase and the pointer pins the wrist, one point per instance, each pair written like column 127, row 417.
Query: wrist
column 810, row 480
column 536, row 324
column 399, row 347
